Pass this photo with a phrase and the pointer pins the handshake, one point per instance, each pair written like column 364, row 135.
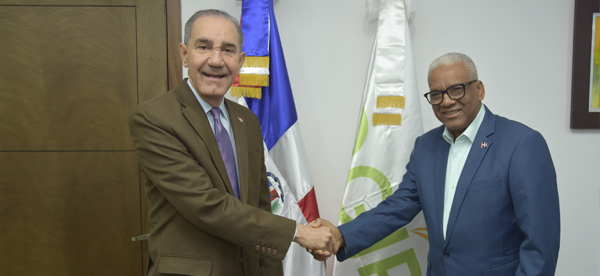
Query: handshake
column 320, row 238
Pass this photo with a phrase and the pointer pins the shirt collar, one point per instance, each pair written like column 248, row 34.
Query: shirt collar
column 471, row 130
column 207, row 107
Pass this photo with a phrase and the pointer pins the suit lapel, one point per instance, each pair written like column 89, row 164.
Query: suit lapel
column 194, row 113
column 441, row 159
column 239, row 132
column 476, row 155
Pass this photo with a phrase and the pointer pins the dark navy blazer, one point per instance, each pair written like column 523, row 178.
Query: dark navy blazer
column 505, row 217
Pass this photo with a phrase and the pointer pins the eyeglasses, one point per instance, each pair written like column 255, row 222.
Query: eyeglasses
column 454, row 92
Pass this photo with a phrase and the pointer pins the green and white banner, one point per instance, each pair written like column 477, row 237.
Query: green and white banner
column 390, row 121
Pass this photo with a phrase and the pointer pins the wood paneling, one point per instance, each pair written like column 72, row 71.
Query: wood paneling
column 70, row 2
column 64, row 213
column 68, row 76
column 152, row 46
column 70, row 188
column 173, row 40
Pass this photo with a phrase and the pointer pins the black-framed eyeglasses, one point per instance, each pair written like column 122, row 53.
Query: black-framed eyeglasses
column 454, row 92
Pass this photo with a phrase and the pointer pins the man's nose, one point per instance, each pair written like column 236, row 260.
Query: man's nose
column 215, row 59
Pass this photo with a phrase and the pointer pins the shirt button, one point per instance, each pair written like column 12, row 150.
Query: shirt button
column 455, row 159
column 453, row 186
column 446, row 254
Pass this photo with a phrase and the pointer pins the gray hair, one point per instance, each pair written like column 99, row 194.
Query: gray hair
column 187, row 34
column 451, row 58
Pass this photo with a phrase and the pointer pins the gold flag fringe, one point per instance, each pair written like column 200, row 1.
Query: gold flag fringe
column 257, row 62
column 246, row 91
column 387, row 119
column 254, row 80
column 390, row 101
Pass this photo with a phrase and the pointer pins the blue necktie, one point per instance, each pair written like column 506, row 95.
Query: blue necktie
column 226, row 150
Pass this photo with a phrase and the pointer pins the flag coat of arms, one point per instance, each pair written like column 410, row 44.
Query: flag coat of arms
column 271, row 99
column 390, row 121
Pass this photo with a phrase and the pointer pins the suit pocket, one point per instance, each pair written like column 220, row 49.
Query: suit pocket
column 184, row 265
column 484, row 184
column 507, row 269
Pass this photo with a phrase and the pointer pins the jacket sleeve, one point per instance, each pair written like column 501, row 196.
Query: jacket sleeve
column 187, row 185
column 534, row 192
column 393, row 213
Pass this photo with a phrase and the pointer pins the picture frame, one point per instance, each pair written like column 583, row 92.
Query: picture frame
column 582, row 78
column 594, row 99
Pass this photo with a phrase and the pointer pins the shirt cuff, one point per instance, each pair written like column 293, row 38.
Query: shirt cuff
column 295, row 231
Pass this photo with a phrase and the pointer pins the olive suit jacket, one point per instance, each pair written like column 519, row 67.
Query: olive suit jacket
column 198, row 227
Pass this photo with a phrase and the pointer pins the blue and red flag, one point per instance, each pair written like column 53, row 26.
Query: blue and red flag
column 286, row 162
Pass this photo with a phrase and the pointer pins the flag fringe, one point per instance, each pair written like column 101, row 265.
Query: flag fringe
column 257, row 62
column 254, row 80
column 246, row 91
column 390, row 101
column 387, row 119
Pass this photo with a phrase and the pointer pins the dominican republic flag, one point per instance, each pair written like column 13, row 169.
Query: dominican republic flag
column 389, row 122
column 292, row 192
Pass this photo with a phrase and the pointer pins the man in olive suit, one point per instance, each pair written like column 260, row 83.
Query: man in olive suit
column 206, row 182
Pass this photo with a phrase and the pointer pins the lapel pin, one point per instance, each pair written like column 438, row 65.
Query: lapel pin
column 241, row 121
column 483, row 145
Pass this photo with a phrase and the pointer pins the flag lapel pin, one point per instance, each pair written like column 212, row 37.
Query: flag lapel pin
column 484, row 145
column 241, row 121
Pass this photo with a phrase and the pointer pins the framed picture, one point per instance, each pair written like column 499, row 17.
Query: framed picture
column 594, row 102
column 585, row 84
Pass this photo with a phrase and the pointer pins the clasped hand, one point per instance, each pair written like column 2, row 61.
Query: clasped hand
column 320, row 238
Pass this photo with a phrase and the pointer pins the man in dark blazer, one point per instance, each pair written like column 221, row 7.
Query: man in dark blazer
column 486, row 186
column 207, row 218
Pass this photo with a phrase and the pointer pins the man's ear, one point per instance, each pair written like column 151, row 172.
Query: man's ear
column 183, row 51
column 480, row 90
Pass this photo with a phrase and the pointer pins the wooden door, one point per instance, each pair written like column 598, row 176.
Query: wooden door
column 70, row 72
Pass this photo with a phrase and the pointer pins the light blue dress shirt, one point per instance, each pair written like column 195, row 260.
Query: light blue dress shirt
column 457, row 156
column 225, row 120
column 226, row 123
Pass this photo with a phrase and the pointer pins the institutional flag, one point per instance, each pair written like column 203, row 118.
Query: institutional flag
column 389, row 122
column 292, row 192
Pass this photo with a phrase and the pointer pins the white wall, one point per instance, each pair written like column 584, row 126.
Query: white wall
column 523, row 51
